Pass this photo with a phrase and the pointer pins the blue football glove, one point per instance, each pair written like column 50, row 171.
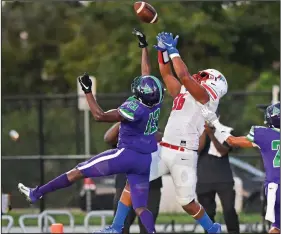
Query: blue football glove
column 160, row 46
column 169, row 42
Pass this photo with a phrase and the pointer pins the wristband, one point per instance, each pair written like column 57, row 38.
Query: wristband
column 163, row 57
column 173, row 52
column 88, row 91
column 143, row 45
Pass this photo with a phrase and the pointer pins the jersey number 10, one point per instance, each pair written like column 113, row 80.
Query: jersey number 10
column 178, row 102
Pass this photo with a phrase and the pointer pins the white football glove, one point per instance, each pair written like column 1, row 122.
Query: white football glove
column 211, row 117
column 208, row 115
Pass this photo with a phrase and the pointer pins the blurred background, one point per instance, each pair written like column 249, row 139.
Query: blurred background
column 45, row 46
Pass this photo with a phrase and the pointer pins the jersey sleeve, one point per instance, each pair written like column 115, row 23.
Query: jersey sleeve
column 256, row 135
column 251, row 134
column 130, row 110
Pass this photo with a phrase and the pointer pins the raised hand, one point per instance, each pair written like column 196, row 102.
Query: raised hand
column 85, row 82
column 141, row 37
column 166, row 41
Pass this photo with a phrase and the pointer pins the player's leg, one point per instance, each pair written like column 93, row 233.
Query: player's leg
column 123, row 209
column 106, row 163
column 157, row 169
column 275, row 228
column 226, row 194
column 139, row 185
column 206, row 197
column 129, row 221
column 153, row 205
column 183, row 168
column 117, row 208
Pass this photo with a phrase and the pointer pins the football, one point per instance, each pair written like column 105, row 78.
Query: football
column 146, row 12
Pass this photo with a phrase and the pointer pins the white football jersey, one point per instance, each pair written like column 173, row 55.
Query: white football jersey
column 186, row 123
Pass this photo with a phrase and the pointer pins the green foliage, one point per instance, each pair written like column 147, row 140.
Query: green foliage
column 251, row 115
column 66, row 39
column 46, row 46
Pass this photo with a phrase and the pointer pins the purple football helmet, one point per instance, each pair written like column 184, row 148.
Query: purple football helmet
column 148, row 89
column 272, row 116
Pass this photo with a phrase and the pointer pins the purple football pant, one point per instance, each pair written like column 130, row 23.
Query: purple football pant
column 119, row 161
column 276, row 207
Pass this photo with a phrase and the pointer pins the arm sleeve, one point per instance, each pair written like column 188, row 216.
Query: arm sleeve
column 251, row 134
column 130, row 110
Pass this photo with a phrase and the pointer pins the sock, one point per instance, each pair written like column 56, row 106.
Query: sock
column 148, row 221
column 55, row 184
column 120, row 216
column 205, row 221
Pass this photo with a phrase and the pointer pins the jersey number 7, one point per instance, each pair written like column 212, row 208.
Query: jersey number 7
column 178, row 102
column 275, row 145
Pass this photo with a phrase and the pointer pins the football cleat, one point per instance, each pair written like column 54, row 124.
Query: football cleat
column 216, row 228
column 27, row 192
column 108, row 230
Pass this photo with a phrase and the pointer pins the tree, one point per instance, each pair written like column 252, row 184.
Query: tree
column 64, row 40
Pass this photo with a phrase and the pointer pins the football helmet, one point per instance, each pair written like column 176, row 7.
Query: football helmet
column 272, row 116
column 213, row 81
column 148, row 89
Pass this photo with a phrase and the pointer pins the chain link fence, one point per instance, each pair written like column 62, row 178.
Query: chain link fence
column 53, row 125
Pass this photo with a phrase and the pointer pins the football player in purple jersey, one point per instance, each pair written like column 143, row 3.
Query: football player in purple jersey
column 267, row 139
column 139, row 116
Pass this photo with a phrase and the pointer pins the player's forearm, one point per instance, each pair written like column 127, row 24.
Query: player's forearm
column 223, row 150
column 202, row 142
column 99, row 114
column 158, row 136
column 145, row 63
column 171, row 82
column 195, row 89
column 242, row 142
column 111, row 135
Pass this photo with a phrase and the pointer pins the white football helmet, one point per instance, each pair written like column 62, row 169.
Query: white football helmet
column 213, row 81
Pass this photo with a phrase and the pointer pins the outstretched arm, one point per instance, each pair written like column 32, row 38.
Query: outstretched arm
column 145, row 63
column 197, row 91
column 242, row 142
column 99, row 114
column 212, row 118
column 171, row 82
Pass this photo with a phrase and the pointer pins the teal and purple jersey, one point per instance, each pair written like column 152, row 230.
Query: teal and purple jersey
column 140, row 125
column 268, row 140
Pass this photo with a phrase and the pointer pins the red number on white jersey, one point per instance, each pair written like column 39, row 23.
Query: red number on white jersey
column 178, row 102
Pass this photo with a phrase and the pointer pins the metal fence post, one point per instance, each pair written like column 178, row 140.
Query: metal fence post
column 41, row 148
column 87, row 153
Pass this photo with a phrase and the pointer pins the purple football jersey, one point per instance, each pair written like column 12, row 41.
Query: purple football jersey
column 140, row 125
column 268, row 140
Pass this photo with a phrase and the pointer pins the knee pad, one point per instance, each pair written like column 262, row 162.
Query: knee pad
column 185, row 195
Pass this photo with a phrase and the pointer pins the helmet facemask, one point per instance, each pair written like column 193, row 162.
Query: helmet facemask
column 201, row 76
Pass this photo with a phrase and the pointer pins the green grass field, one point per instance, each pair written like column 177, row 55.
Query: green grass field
column 162, row 218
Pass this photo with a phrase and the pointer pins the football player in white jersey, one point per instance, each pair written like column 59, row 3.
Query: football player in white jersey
column 180, row 143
